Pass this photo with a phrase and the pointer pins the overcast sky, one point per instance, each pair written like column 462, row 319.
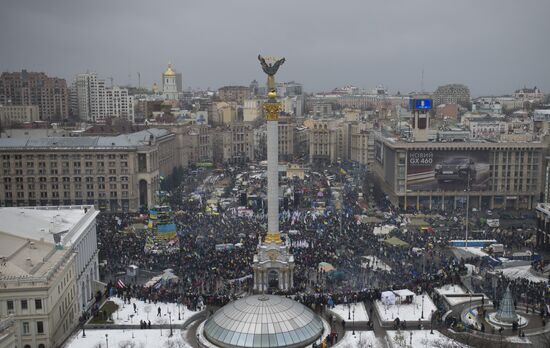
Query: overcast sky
column 493, row 46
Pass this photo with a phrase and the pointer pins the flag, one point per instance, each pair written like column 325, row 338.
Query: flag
column 120, row 284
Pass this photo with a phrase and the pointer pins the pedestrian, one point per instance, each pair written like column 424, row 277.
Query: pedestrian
column 159, row 312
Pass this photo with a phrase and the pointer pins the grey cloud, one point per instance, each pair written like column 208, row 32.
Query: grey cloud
column 493, row 46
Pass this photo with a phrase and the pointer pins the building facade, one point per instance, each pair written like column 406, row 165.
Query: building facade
column 235, row 94
column 483, row 175
column 39, row 282
column 113, row 173
column 451, row 94
column 95, row 102
column 18, row 114
column 50, row 94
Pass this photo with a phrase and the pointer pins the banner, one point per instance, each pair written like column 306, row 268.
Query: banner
column 434, row 170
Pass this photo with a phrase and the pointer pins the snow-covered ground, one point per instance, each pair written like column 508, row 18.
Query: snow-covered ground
column 125, row 314
column 361, row 339
column 471, row 250
column 522, row 272
column 375, row 263
column 409, row 312
column 343, row 312
column 128, row 338
column 421, row 338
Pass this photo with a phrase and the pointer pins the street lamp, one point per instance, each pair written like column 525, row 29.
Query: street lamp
column 83, row 331
column 353, row 323
column 107, row 340
column 179, row 313
column 422, row 316
column 349, row 311
column 170, row 319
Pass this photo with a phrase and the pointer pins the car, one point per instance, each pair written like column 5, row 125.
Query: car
column 455, row 169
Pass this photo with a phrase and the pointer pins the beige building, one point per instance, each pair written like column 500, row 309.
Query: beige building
column 362, row 144
column 252, row 109
column 113, row 173
column 18, row 114
column 329, row 140
column 286, row 138
column 233, row 144
column 39, row 288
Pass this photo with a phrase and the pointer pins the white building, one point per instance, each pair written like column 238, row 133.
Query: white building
column 94, row 102
column 71, row 228
column 48, row 267
column 119, row 104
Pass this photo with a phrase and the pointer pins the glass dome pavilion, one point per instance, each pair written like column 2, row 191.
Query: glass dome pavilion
column 267, row 321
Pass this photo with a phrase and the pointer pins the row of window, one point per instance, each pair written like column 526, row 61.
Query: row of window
column 68, row 179
column 24, row 305
column 64, row 157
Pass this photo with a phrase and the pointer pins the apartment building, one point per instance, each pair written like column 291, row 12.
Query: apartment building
column 25, row 88
column 111, row 172
column 94, row 102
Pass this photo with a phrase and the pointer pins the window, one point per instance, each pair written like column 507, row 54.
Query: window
column 10, row 305
column 26, row 329
column 24, row 305
column 40, row 327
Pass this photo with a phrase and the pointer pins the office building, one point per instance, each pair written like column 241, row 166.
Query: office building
column 450, row 175
column 25, row 88
column 111, row 172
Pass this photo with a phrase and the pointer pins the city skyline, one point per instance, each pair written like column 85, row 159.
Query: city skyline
column 489, row 48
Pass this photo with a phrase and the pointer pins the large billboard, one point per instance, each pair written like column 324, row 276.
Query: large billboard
column 434, row 170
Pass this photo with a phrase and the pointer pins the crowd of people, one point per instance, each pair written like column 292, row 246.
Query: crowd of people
column 332, row 234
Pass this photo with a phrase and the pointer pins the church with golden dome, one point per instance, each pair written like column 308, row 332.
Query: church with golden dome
column 170, row 83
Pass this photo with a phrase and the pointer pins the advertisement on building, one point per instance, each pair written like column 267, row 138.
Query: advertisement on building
column 429, row 170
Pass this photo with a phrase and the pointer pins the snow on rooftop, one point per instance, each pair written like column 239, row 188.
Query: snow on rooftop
column 38, row 224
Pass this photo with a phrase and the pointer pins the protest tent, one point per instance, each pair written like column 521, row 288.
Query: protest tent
column 388, row 298
column 396, row 242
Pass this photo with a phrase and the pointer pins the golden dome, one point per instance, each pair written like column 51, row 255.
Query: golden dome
column 169, row 71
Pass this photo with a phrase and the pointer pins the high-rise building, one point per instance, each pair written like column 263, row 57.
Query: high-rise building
column 95, row 103
column 50, row 94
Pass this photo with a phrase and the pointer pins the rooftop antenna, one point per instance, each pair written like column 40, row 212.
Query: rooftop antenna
column 111, row 78
column 422, row 82
column 139, row 80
